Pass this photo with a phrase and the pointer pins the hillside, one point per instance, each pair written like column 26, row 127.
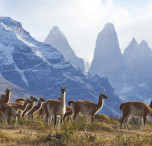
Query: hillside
column 16, row 91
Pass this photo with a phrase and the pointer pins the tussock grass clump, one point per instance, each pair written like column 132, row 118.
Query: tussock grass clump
column 96, row 126
column 101, row 118
column 4, row 137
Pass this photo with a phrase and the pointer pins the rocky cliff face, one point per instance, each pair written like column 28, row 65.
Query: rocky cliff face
column 41, row 69
column 138, row 69
column 57, row 39
column 107, row 59
column 138, row 61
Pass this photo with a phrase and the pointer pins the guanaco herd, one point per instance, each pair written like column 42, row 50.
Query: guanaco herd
column 57, row 110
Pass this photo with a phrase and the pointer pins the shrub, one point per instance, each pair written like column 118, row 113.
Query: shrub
column 101, row 118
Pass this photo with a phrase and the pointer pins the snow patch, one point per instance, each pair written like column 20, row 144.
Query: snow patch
column 4, row 26
column 7, row 51
column 38, row 53
column 33, row 47
column 21, row 72
column 24, row 41
column 60, row 66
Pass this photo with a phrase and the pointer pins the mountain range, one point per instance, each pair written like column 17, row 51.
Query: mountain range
column 130, row 72
column 41, row 69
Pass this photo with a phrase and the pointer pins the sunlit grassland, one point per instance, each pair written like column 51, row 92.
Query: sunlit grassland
column 104, row 131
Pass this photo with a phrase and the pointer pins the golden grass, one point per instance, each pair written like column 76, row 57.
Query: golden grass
column 104, row 131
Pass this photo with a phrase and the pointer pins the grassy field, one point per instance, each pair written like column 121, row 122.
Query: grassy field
column 104, row 131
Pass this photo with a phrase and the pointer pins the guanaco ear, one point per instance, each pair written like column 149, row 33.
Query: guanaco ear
column 65, row 87
column 61, row 86
column 101, row 92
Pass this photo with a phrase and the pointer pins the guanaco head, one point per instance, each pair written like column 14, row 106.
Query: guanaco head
column 63, row 90
column 42, row 99
column 103, row 96
column 28, row 101
column 33, row 99
column 59, row 98
column 8, row 90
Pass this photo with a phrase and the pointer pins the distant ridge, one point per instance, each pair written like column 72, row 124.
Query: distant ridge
column 16, row 91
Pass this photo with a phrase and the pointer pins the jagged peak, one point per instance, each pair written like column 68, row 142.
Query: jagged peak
column 133, row 42
column 133, row 45
column 13, row 25
column 143, row 43
column 56, row 28
column 109, row 24
column 109, row 27
column 57, row 31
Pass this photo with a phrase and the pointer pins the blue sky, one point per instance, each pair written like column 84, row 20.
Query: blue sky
column 82, row 20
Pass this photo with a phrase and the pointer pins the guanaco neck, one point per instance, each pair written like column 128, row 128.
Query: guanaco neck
column 63, row 98
column 100, row 102
column 22, row 107
column 37, row 107
column 7, row 97
column 30, row 106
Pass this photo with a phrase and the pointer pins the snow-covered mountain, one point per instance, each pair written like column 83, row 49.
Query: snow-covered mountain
column 129, row 73
column 57, row 39
column 41, row 69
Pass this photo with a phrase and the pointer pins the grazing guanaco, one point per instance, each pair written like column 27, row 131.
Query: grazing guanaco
column 134, row 108
column 54, row 108
column 14, row 110
column 139, row 120
column 87, row 107
column 30, row 106
column 37, row 107
column 5, row 99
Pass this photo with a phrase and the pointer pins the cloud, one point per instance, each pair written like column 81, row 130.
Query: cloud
column 82, row 20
